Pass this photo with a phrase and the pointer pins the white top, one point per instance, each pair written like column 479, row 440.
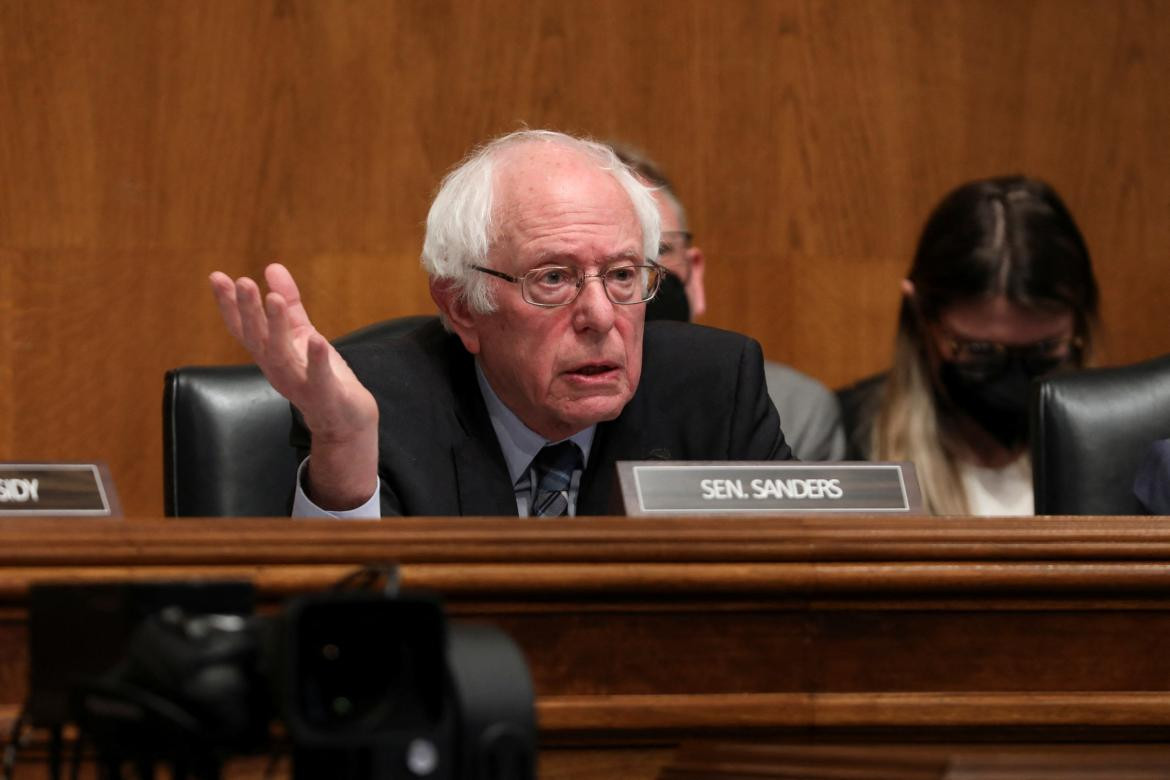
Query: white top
column 1001, row 491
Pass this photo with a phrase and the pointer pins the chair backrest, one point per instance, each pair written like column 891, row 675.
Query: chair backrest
column 1090, row 431
column 226, row 450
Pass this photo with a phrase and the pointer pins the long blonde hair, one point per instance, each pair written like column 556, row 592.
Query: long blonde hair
column 909, row 427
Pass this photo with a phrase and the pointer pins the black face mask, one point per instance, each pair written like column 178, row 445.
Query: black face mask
column 997, row 402
column 671, row 301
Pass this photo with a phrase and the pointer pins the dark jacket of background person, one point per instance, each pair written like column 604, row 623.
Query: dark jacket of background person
column 1152, row 485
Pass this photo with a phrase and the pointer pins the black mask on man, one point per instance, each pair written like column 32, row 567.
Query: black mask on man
column 997, row 402
column 671, row 301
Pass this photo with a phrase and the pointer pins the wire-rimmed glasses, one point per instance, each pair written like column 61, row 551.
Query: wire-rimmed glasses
column 557, row 285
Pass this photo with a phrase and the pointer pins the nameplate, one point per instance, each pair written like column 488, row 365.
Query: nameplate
column 59, row 489
column 766, row 487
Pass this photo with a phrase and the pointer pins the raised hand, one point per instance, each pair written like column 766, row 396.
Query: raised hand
column 304, row 367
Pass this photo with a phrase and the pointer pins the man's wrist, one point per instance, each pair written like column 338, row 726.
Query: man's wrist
column 304, row 507
column 340, row 475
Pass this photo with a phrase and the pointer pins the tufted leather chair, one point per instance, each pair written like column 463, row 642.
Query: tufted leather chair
column 226, row 449
column 1090, row 431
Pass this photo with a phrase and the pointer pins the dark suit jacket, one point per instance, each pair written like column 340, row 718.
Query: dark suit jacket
column 701, row 397
column 1152, row 485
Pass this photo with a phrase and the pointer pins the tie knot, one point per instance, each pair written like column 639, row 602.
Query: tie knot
column 554, row 465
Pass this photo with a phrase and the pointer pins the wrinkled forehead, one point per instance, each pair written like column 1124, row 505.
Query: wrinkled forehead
column 543, row 187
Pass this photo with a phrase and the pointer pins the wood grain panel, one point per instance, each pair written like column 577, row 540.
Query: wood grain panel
column 743, row 760
column 146, row 143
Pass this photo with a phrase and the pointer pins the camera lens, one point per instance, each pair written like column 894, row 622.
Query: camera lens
column 369, row 665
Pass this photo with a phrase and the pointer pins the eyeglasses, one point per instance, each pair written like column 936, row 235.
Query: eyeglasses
column 990, row 358
column 672, row 253
column 556, row 285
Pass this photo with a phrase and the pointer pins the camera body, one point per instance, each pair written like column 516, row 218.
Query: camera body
column 362, row 687
column 365, row 686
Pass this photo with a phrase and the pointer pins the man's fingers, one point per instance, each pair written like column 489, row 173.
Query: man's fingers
column 281, row 281
column 279, row 350
column 275, row 333
column 320, row 372
column 225, row 298
column 253, row 320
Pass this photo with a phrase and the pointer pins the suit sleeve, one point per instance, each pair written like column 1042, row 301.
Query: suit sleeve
column 824, row 437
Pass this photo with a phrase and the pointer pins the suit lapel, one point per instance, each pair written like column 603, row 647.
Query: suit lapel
column 621, row 439
column 481, row 474
column 482, row 478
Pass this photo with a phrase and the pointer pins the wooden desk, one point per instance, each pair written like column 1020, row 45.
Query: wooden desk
column 740, row 761
column 643, row 633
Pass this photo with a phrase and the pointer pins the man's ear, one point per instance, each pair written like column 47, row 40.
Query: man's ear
column 456, row 312
column 696, row 292
column 907, row 288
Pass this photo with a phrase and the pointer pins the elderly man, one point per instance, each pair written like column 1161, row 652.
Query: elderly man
column 542, row 375
column 808, row 410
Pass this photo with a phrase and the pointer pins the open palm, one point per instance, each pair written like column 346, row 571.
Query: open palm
column 297, row 360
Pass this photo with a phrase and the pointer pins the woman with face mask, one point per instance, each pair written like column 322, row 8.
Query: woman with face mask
column 1001, row 292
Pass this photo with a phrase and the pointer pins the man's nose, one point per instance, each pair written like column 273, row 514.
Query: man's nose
column 593, row 310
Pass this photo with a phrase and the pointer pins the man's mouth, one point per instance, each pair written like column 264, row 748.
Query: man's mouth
column 593, row 369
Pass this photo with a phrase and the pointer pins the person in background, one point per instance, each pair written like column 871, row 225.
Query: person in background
column 1152, row 485
column 1001, row 292
column 809, row 411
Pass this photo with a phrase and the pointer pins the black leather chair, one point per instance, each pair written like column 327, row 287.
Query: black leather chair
column 226, row 449
column 1090, row 431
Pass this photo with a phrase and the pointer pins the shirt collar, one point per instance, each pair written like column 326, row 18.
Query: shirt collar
column 518, row 442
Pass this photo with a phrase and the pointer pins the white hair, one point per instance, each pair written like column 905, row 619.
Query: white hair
column 459, row 225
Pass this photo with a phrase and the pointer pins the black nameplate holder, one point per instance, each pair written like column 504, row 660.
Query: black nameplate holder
column 57, row 489
column 767, row 487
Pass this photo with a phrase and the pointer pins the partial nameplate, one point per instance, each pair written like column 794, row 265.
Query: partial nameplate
column 763, row 487
column 59, row 489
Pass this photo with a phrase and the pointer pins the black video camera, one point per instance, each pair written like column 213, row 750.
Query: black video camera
column 360, row 686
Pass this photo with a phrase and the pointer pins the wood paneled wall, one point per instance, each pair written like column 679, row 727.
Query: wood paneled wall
column 144, row 143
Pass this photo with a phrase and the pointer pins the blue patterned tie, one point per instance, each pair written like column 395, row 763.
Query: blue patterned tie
column 553, row 467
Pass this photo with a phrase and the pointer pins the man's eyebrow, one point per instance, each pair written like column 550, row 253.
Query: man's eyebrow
column 553, row 258
column 567, row 258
